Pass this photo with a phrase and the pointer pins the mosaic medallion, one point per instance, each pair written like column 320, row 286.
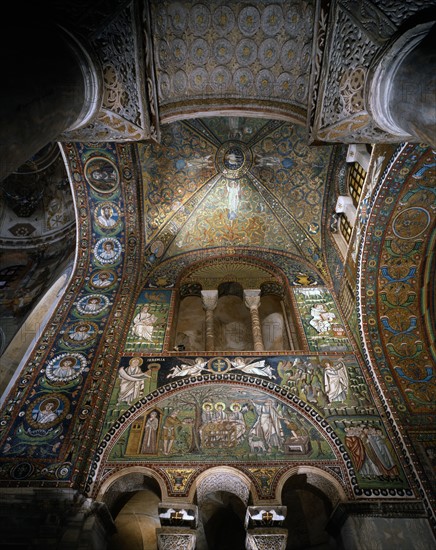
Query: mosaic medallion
column 102, row 175
column 249, row 21
column 81, row 334
column 107, row 250
column 223, row 20
column 93, row 304
column 233, row 159
column 411, row 222
column 47, row 410
column 107, row 215
column 65, row 367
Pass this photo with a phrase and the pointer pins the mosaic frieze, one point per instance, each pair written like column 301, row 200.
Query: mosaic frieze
column 206, row 424
column 332, row 385
column 322, row 323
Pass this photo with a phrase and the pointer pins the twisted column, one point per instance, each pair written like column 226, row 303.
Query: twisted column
column 252, row 301
column 209, row 299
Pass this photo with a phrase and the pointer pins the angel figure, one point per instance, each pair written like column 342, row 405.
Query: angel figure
column 250, row 367
column 189, row 368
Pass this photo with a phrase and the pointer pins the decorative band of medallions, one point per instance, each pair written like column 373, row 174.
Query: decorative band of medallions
column 233, row 159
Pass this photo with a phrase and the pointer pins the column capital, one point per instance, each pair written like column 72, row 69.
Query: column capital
column 273, row 539
column 209, row 299
column 175, row 538
column 252, row 298
column 178, row 515
column 265, row 516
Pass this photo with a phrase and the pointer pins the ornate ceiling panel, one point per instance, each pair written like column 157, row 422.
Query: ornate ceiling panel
column 241, row 52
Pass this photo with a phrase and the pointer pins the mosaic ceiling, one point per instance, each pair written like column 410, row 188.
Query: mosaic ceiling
column 225, row 55
column 234, row 182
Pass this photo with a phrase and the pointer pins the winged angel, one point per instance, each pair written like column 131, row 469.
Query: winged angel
column 189, row 368
column 252, row 367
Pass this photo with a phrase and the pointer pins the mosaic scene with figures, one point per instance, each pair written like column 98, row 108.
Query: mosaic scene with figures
column 217, row 248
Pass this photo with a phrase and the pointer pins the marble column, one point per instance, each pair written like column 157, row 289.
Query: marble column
column 402, row 88
column 252, row 301
column 51, row 84
column 210, row 300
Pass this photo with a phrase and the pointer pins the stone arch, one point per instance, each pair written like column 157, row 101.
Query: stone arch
column 222, row 495
column 132, row 478
column 310, row 496
column 132, row 497
column 203, row 387
column 223, row 478
column 316, row 477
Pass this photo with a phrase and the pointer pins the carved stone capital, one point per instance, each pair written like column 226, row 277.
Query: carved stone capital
column 252, row 298
column 266, row 539
column 209, row 299
column 173, row 538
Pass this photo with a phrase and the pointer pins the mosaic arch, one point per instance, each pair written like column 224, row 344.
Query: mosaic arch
column 396, row 315
column 204, row 425
column 294, row 270
column 46, row 424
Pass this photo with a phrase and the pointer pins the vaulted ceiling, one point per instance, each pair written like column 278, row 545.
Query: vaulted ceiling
column 234, row 181
column 233, row 176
